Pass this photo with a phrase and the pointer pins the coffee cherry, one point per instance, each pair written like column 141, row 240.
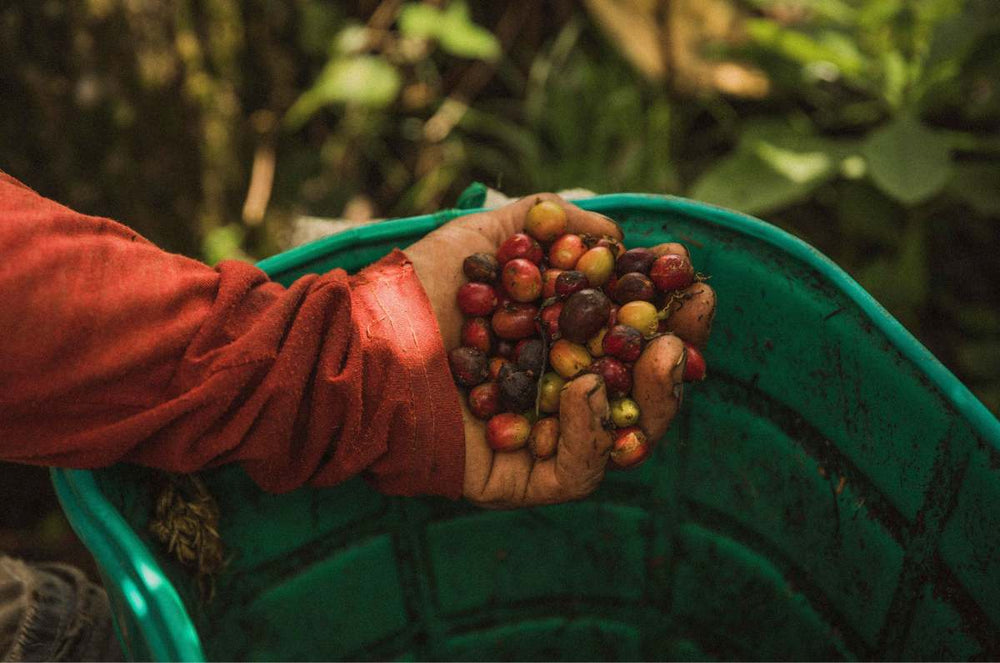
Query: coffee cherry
column 522, row 280
column 609, row 287
column 635, row 260
column 549, row 392
column 549, row 321
column 477, row 299
column 617, row 377
column 633, row 287
column 598, row 264
column 571, row 281
column 546, row 221
column 640, row 315
column 484, row 400
column 624, row 412
column 517, row 391
column 672, row 272
column 584, row 314
column 569, row 359
column 497, row 366
column 515, row 321
column 695, row 368
column 468, row 366
column 613, row 316
column 630, row 447
column 549, row 277
column 595, row 346
column 566, row 251
column 507, row 432
column 544, row 438
column 505, row 370
column 623, row 342
column 476, row 333
column 520, row 246
column 617, row 248
column 482, row 267
column 530, row 356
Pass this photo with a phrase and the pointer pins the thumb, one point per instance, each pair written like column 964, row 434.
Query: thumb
column 584, row 443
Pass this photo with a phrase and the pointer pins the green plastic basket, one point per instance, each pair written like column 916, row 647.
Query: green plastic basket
column 831, row 491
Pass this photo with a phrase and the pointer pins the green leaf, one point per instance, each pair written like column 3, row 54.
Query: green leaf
column 351, row 39
column 223, row 243
column 829, row 46
column 908, row 161
column 799, row 167
column 894, row 78
column 419, row 21
column 452, row 28
column 364, row 80
column 459, row 36
column 873, row 16
column 747, row 183
column 773, row 166
column 978, row 185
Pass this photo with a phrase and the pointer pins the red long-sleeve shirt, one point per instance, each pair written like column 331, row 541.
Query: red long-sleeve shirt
column 112, row 350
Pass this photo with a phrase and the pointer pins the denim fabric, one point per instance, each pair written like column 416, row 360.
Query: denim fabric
column 52, row 612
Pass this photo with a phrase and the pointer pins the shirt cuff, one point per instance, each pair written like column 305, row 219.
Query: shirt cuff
column 406, row 373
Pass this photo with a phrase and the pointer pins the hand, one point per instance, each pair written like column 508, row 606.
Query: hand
column 515, row 479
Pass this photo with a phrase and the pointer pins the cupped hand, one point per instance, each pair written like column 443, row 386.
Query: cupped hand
column 515, row 479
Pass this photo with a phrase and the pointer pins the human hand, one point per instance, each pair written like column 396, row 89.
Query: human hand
column 515, row 479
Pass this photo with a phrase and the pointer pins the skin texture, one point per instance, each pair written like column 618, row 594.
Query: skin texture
column 509, row 480
column 692, row 320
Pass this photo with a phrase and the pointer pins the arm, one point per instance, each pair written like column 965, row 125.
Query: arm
column 117, row 351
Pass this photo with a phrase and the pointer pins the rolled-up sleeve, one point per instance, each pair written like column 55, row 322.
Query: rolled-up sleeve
column 116, row 351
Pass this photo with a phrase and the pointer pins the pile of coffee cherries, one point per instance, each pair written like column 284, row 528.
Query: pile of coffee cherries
column 549, row 307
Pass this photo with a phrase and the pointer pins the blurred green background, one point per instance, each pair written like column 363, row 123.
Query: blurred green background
column 226, row 128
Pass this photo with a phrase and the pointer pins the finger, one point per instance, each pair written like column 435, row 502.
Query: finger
column 670, row 248
column 507, row 484
column 583, row 222
column 500, row 224
column 693, row 315
column 657, row 384
column 584, row 445
column 478, row 454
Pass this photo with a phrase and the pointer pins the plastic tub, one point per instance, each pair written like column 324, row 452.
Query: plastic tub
column 831, row 491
